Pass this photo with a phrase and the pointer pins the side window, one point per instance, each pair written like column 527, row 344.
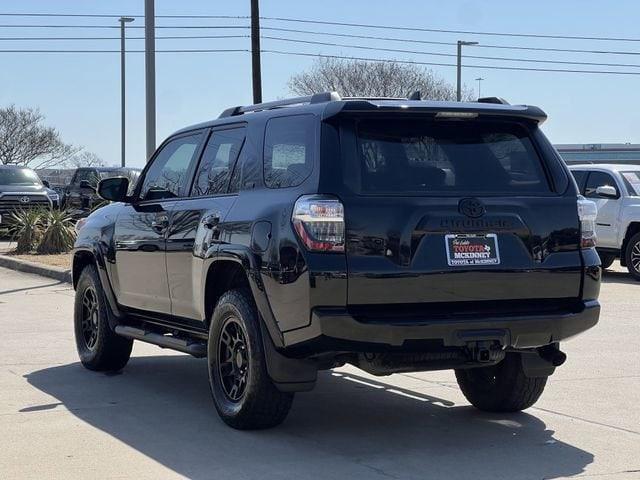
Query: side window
column 581, row 178
column 598, row 179
column 289, row 145
column 167, row 176
column 217, row 162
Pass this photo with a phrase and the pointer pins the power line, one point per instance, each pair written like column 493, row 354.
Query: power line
column 488, row 67
column 460, row 32
column 440, row 54
column 107, row 15
column 116, row 26
column 164, row 37
column 312, row 32
column 184, row 50
column 433, row 42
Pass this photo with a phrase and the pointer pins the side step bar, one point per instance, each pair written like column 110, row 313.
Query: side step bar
column 197, row 349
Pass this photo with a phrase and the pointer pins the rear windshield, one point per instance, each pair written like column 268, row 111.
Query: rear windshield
column 425, row 156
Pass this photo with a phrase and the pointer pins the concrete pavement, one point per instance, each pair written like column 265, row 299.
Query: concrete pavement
column 156, row 419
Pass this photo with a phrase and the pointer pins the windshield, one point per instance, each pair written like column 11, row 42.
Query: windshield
column 18, row 176
column 422, row 157
column 632, row 180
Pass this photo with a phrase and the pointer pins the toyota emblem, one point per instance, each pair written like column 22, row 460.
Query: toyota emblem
column 471, row 207
column 24, row 199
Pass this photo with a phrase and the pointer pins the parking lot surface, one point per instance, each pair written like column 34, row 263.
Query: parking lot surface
column 156, row 419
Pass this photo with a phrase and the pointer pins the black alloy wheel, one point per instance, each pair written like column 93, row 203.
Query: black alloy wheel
column 233, row 359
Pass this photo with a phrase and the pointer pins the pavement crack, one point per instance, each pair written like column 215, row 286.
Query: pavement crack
column 586, row 420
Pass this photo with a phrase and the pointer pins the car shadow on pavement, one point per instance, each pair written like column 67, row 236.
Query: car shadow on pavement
column 348, row 427
column 611, row 276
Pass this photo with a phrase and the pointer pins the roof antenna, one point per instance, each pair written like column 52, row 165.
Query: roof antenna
column 415, row 96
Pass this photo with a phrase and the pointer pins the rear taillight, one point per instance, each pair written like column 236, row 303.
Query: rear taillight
column 319, row 222
column 587, row 211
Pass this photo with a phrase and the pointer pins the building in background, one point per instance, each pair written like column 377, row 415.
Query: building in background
column 599, row 152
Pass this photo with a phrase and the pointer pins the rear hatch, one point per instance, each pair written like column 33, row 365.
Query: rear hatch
column 455, row 210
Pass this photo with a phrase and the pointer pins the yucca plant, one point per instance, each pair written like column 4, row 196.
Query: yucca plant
column 26, row 229
column 58, row 235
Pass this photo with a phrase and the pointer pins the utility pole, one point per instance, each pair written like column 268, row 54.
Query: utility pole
column 255, row 52
column 461, row 43
column 479, row 79
column 122, row 21
column 150, row 74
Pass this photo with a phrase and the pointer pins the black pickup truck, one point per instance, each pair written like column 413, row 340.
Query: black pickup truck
column 395, row 235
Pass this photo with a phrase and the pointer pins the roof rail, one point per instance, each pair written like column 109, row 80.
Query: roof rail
column 310, row 99
column 498, row 100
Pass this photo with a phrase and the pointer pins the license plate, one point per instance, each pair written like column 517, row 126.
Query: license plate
column 472, row 250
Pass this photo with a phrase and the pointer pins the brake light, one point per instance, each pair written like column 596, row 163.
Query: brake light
column 319, row 222
column 587, row 212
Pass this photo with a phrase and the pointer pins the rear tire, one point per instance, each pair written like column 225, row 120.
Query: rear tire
column 244, row 395
column 501, row 388
column 606, row 259
column 99, row 347
column 632, row 256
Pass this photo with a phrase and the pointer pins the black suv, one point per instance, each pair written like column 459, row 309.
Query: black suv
column 22, row 189
column 80, row 197
column 395, row 235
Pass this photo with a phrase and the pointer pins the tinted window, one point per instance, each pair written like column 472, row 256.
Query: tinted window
column 632, row 181
column 90, row 176
column 598, row 179
column 288, row 150
column 581, row 178
column 217, row 162
column 418, row 156
column 167, row 176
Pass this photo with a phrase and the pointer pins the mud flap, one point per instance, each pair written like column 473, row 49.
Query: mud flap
column 288, row 374
column 535, row 366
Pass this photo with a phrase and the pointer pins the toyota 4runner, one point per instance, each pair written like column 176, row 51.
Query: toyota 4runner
column 294, row 236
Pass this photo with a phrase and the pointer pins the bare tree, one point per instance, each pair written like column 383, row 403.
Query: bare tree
column 358, row 78
column 25, row 140
column 85, row 159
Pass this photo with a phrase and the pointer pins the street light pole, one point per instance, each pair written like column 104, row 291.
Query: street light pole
column 479, row 79
column 150, row 74
column 122, row 21
column 459, row 75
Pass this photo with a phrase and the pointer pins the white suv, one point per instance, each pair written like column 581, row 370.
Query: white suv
column 616, row 191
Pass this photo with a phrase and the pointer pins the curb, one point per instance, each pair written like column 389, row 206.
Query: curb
column 31, row 267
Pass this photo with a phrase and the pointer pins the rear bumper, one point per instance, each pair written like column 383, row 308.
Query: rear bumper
column 335, row 329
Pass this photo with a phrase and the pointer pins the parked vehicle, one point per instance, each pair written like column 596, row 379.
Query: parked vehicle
column 616, row 191
column 22, row 189
column 80, row 195
column 394, row 235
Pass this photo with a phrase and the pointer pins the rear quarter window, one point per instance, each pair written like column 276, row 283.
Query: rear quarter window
column 289, row 146
column 423, row 157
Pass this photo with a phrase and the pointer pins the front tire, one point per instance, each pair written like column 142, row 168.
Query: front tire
column 501, row 388
column 99, row 347
column 244, row 395
column 632, row 256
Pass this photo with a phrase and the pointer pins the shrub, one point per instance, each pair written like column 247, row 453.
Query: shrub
column 26, row 229
column 59, row 234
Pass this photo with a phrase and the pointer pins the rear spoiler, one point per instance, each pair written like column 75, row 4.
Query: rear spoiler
column 444, row 109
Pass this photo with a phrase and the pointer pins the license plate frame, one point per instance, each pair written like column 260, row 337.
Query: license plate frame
column 472, row 250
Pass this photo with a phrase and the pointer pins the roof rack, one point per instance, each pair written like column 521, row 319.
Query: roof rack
column 498, row 100
column 309, row 99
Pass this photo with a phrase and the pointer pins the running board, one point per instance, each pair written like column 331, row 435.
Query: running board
column 195, row 348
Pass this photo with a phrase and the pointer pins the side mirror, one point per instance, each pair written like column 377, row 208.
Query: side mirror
column 113, row 189
column 46, row 183
column 607, row 191
column 86, row 184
